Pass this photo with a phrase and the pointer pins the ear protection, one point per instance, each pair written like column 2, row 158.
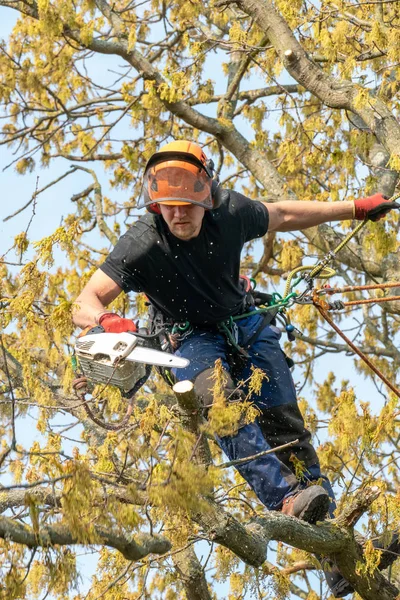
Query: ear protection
column 153, row 208
column 217, row 193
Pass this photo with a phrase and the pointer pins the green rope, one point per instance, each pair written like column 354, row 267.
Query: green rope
column 279, row 305
column 74, row 362
column 224, row 328
column 180, row 327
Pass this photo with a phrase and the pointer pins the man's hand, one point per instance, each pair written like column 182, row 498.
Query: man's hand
column 113, row 323
column 373, row 208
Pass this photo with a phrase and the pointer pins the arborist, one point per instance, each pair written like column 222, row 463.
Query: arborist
column 184, row 254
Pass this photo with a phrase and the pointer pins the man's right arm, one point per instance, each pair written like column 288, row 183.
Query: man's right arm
column 91, row 303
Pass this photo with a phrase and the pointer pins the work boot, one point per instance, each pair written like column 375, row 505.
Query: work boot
column 339, row 586
column 310, row 505
column 390, row 553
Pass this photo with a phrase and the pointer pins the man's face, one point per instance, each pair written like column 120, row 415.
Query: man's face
column 183, row 220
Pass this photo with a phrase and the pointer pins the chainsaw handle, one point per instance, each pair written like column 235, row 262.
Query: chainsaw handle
column 89, row 330
column 99, row 329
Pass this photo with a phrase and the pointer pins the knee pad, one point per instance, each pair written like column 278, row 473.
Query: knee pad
column 283, row 424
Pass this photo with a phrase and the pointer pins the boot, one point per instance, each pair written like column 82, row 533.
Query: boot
column 390, row 553
column 310, row 505
column 337, row 584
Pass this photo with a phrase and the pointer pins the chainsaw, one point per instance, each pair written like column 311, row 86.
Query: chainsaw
column 121, row 359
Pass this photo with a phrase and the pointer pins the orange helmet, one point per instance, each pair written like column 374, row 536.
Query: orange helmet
column 179, row 173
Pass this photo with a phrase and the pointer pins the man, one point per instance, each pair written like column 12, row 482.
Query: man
column 185, row 256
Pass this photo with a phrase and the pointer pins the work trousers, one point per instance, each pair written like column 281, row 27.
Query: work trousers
column 279, row 422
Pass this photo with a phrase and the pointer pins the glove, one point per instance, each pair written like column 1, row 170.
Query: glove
column 373, row 208
column 113, row 323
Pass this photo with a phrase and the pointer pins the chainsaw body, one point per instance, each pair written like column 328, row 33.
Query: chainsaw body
column 120, row 359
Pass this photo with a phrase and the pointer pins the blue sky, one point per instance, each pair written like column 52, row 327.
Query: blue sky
column 54, row 204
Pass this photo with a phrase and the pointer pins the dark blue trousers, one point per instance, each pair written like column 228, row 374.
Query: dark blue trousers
column 271, row 476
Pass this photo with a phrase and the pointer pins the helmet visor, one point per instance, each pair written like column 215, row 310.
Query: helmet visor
column 176, row 182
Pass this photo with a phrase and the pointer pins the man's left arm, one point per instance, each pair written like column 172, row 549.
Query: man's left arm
column 292, row 215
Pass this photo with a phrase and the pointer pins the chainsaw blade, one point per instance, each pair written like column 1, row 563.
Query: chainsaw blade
column 156, row 357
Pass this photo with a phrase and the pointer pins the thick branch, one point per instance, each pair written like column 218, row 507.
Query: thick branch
column 329, row 539
column 191, row 574
column 331, row 91
column 192, row 419
column 230, row 137
column 14, row 498
column 18, row 497
column 98, row 199
column 60, row 535
column 358, row 505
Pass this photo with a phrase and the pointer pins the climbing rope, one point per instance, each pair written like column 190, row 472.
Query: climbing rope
column 314, row 296
column 323, row 312
column 359, row 288
column 80, row 387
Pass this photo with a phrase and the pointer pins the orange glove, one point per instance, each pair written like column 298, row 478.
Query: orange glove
column 373, row 208
column 113, row 323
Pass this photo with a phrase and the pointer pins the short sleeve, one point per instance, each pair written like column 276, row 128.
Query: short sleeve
column 120, row 264
column 254, row 216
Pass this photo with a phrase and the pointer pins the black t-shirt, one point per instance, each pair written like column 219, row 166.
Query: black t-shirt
column 195, row 280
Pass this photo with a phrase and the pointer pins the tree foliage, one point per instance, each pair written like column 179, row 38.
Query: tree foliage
column 294, row 100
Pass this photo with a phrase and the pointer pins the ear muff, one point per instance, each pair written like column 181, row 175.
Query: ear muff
column 218, row 194
column 154, row 209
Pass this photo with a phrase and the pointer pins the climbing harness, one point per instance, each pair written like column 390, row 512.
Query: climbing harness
column 126, row 362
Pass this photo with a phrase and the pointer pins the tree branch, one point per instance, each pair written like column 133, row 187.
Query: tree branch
column 98, row 198
column 191, row 574
column 331, row 91
column 60, row 535
column 192, row 419
column 229, row 136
